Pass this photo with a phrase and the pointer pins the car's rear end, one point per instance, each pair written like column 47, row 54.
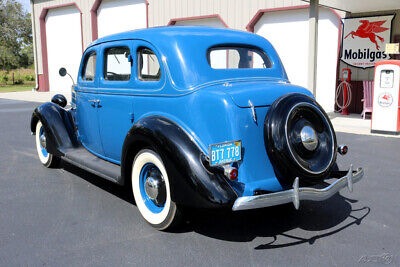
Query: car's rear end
column 270, row 139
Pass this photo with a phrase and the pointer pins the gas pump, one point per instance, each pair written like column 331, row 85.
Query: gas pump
column 344, row 87
column 385, row 104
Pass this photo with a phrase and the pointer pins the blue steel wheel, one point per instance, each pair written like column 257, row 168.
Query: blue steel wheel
column 46, row 158
column 151, row 190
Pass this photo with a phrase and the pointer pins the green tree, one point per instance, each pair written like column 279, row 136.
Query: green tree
column 15, row 36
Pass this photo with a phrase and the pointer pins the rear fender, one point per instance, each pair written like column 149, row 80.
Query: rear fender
column 192, row 184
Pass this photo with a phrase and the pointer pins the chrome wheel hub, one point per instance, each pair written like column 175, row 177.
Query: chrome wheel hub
column 309, row 138
column 42, row 140
column 155, row 187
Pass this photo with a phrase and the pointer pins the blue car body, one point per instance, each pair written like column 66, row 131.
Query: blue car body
column 189, row 108
column 210, row 104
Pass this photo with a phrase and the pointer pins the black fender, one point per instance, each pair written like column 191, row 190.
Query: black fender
column 192, row 184
column 58, row 126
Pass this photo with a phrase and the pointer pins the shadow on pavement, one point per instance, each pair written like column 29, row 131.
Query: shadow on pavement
column 245, row 226
column 276, row 222
column 122, row 192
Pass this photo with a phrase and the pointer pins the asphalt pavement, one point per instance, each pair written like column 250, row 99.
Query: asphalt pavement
column 67, row 216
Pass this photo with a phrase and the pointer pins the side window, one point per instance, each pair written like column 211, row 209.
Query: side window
column 148, row 65
column 89, row 71
column 117, row 66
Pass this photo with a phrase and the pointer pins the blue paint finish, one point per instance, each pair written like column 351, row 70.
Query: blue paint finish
column 144, row 173
column 86, row 109
column 211, row 105
column 86, row 116
column 43, row 150
column 114, row 109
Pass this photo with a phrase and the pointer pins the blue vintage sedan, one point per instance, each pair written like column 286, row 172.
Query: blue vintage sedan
column 195, row 117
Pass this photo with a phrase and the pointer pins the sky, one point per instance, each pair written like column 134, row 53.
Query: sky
column 26, row 4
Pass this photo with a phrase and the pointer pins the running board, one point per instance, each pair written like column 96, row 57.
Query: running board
column 83, row 159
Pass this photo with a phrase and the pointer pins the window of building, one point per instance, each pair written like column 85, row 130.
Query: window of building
column 117, row 65
column 90, row 67
column 148, row 65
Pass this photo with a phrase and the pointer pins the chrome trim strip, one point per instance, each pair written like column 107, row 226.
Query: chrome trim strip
column 253, row 111
column 299, row 193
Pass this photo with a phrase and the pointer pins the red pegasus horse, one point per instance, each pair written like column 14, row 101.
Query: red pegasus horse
column 369, row 29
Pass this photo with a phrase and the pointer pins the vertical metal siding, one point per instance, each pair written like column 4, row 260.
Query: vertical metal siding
column 236, row 13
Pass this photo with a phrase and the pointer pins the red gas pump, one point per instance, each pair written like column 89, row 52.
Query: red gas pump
column 344, row 86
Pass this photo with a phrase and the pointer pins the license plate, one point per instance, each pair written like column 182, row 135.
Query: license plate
column 225, row 153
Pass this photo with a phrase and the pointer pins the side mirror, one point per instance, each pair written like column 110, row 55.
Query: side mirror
column 62, row 72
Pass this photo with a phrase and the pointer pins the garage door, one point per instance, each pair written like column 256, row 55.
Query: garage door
column 114, row 16
column 218, row 59
column 64, row 46
column 288, row 33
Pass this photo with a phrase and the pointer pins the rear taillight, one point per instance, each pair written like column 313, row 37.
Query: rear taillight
column 343, row 149
column 231, row 172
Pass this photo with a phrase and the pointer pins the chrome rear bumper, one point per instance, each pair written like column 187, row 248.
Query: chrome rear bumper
column 299, row 193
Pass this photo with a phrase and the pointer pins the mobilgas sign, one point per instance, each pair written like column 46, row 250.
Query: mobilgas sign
column 364, row 40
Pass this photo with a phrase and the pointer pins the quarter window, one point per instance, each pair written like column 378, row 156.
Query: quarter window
column 90, row 67
column 148, row 65
column 117, row 65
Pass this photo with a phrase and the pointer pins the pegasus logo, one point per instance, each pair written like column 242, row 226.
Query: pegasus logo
column 369, row 30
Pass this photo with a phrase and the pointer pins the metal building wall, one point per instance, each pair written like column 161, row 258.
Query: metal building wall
column 236, row 13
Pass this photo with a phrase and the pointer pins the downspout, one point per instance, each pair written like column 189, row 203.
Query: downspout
column 313, row 46
column 34, row 44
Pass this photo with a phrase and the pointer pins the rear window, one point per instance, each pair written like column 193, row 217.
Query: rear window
column 236, row 57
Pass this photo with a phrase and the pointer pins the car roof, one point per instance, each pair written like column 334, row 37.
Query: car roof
column 185, row 49
column 176, row 33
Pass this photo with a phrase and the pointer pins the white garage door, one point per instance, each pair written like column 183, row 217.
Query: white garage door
column 64, row 46
column 114, row 16
column 288, row 33
column 218, row 59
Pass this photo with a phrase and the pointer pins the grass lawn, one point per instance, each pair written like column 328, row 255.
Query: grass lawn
column 16, row 88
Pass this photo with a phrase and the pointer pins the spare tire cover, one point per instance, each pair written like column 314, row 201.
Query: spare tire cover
column 299, row 139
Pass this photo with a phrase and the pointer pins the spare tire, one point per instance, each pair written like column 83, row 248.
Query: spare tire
column 299, row 139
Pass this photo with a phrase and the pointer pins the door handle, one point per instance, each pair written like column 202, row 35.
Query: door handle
column 94, row 102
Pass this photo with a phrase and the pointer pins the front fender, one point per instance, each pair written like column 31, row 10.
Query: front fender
column 192, row 184
column 58, row 126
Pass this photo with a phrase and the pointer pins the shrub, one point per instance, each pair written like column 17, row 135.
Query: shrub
column 18, row 79
column 29, row 77
column 4, row 78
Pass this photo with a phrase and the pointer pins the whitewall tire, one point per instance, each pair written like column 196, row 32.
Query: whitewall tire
column 151, row 190
column 46, row 158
